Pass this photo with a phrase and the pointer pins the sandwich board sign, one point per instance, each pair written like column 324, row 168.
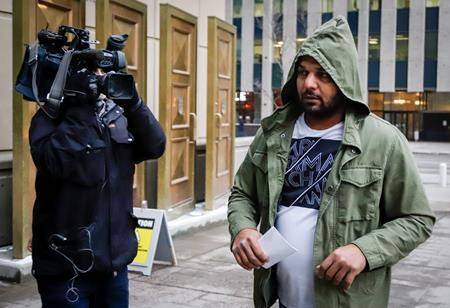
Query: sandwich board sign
column 154, row 241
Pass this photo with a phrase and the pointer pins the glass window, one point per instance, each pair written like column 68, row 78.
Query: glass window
column 259, row 8
column 376, row 102
column 438, row 101
column 257, row 54
column 302, row 15
column 402, row 4
column 248, row 111
column 352, row 5
column 277, row 7
column 237, row 8
column 431, row 44
column 375, row 5
column 432, row 3
column 327, row 6
column 302, row 6
column 374, row 47
column 401, row 52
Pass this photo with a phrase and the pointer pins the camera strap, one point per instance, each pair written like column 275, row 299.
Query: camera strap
column 55, row 96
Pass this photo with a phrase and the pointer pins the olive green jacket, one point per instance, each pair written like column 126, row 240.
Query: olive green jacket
column 373, row 197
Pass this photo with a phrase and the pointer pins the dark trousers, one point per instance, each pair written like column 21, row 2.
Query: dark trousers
column 93, row 290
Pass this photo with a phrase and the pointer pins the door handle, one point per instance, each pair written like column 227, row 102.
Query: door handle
column 192, row 127
column 218, row 120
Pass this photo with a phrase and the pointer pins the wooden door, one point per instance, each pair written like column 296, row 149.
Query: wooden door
column 220, row 110
column 29, row 16
column 128, row 17
column 177, row 107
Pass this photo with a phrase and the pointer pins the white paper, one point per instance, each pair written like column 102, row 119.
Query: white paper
column 275, row 246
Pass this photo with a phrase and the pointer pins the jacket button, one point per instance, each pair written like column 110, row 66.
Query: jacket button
column 330, row 188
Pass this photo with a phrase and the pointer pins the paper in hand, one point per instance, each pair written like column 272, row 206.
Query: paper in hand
column 275, row 246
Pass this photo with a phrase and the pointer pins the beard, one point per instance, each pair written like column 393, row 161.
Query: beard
column 323, row 109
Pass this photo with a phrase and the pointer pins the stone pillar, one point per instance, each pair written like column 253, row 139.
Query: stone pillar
column 289, row 35
column 340, row 8
column 229, row 11
column 387, row 45
column 267, row 37
column 363, row 44
column 416, row 45
column 247, row 42
column 314, row 15
column 443, row 62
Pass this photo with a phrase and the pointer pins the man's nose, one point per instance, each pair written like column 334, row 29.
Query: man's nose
column 310, row 81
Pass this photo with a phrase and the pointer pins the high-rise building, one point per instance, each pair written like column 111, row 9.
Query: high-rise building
column 403, row 50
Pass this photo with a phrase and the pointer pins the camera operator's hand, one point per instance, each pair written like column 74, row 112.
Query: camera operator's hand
column 134, row 102
column 81, row 87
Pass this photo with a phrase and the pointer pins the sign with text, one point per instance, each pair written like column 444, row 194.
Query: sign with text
column 154, row 241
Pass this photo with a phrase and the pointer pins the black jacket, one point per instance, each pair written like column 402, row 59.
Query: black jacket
column 84, row 186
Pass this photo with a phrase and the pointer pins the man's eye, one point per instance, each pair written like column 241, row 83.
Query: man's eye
column 325, row 76
column 302, row 73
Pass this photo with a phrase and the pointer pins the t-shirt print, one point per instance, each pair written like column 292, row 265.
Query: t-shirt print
column 310, row 160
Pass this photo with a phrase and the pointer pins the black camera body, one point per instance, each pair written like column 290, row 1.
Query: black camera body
column 42, row 64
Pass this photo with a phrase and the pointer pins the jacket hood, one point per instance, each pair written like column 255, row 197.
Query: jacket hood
column 333, row 47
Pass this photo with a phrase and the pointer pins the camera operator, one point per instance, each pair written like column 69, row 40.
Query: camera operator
column 83, row 222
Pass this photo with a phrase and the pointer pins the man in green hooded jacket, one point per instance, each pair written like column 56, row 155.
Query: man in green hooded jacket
column 339, row 184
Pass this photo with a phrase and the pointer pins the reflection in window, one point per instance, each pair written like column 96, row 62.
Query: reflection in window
column 401, row 52
column 352, row 5
column 277, row 24
column 237, row 19
column 327, row 6
column 237, row 8
column 375, row 5
column 257, row 53
column 247, row 112
column 432, row 3
column 259, row 8
column 374, row 47
column 431, row 43
column 438, row 101
column 302, row 16
column 402, row 4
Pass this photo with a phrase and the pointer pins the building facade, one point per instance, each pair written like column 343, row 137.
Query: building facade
column 403, row 50
column 169, row 53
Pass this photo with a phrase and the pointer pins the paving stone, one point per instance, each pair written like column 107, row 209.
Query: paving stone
column 219, row 301
column 153, row 295
column 208, row 276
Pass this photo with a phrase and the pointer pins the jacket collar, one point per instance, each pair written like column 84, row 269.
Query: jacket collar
column 287, row 114
column 352, row 124
column 282, row 117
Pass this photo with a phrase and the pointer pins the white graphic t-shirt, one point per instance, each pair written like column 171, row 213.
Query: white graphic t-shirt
column 310, row 160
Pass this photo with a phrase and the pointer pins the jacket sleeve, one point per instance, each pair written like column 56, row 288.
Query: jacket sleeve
column 150, row 141
column 405, row 211
column 243, row 210
column 70, row 149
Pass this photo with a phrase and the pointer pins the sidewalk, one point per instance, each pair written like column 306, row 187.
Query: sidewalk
column 207, row 275
column 435, row 148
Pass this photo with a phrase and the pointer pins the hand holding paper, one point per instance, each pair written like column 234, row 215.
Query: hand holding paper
column 275, row 246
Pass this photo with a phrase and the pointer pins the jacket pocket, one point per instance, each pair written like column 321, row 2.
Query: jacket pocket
column 359, row 193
